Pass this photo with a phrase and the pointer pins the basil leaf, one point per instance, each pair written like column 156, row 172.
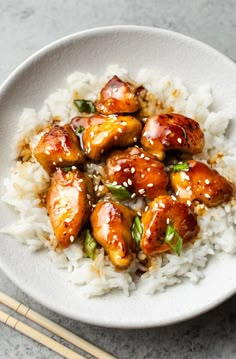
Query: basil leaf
column 84, row 106
column 118, row 191
column 181, row 167
column 173, row 239
column 80, row 129
column 90, row 245
column 137, row 231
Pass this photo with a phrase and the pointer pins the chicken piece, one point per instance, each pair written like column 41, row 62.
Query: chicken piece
column 101, row 133
column 200, row 182
column 172, row 132
column 117, row 96
column 162, row 211
column 67, row 205
column 58, row 148
column 137, row 170
column 111, row 227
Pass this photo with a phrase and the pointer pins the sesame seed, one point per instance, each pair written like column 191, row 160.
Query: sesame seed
column 115, row 236
column 187, row 177
column 117, row 168
column 142, row 175
column 162, row 205
column 107, row 204
column 133, row 195
column 88, row 196
column 207, row 181
column 47, row 152
column 100, row 188
column 79, row 189
column 148, row 169
column 148, row 232
column 151, row 141
column 167, row 220
column 72, row 238
column 142, row 155
column 141, row 191
column 147, row 158
column 123, row 123
column 135, row 139
column 60, row 159
column 114, row 183
column 74, row 168
column 188, row 188
column 126, row 170
column 107, row 220
column 173, row 197
column 120, row 130
column 80, row 180
column 54, row 163
column 132, row 170
column 189, row 203
column 129, row 181
column 146, row 208
column 150, row 185
column 96, row 187
column 179, row 140
column 125, row 184
column 139, row 213
column 177, row 192
column 92, row 134
column 207, row 195
column 145, row 133
column 67, row 220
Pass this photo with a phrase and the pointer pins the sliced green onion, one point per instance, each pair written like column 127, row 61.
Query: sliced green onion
column 137, row 230
column 118, row 191
column 67, row 169
column 173, row 239
column 80, row 129
column 84, row 106
column 90, row 245
column 181, row 167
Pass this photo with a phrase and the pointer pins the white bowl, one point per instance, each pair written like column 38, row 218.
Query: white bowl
column 132, row 47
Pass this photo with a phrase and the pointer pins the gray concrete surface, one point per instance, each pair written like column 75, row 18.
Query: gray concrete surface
column 26, row 26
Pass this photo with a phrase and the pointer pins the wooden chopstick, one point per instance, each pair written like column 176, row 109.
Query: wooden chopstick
column 54, row 328
column 38, row 336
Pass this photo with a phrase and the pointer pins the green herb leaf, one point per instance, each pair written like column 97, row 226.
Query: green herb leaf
column 173, row 239
column 84, row 106
column 80, row 129
column 67, row 169
column 90, row 245
column 118, row 191
column 137, row 230
column 181, row 167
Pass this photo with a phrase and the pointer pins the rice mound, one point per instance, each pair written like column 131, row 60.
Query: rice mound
column 28, row 182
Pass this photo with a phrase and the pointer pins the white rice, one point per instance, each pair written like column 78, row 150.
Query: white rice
column 28, row 182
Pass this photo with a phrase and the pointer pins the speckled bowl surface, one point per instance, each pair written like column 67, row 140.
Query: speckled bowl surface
column 132, row 47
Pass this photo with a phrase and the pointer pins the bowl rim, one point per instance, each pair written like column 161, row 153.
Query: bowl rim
column 41, row 53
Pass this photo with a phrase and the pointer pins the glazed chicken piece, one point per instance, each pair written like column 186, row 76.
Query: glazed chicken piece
column 200, row 182
column 101, row 133
column 162, row 211
column 117, row 96
column 58, row 148
column 137, row 170
column 68, row 204
column 172, row 132
column 111, row 225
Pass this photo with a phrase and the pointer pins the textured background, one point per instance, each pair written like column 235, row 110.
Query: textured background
column 26, row 26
